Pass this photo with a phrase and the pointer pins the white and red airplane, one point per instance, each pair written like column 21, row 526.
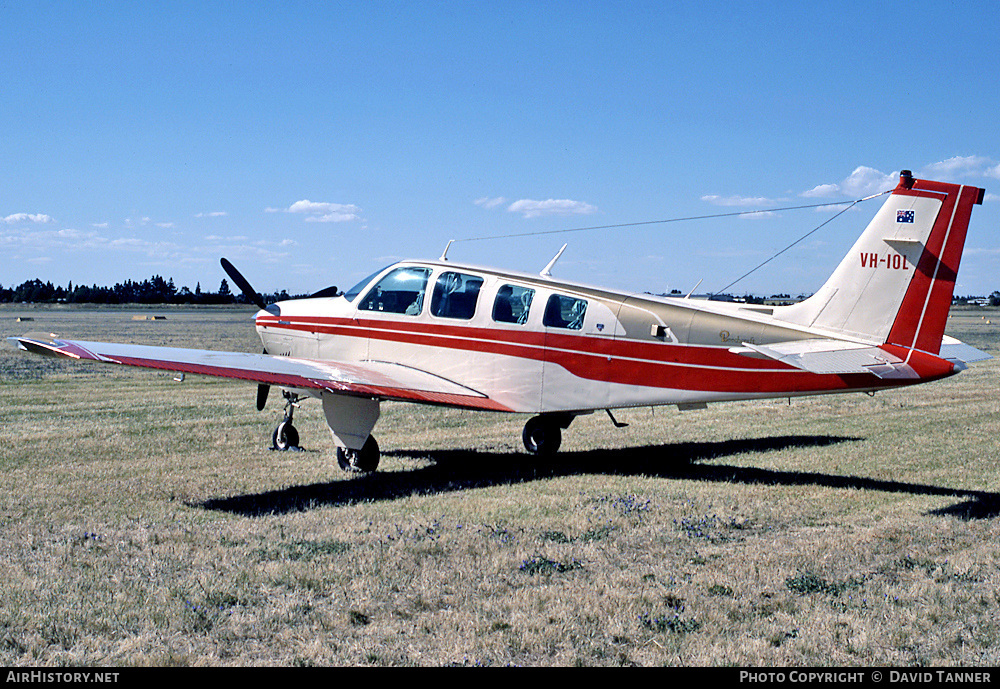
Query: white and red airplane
column 436, row 332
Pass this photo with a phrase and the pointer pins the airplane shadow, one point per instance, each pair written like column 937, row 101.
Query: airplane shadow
column 455, row 470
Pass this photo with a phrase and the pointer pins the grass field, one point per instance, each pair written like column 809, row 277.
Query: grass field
column 145, row 522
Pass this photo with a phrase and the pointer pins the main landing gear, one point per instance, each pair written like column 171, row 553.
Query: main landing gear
column 359, row 461
column 285, row 436
column 542, row 434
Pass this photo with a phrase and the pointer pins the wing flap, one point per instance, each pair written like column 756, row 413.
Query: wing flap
column 383, row 380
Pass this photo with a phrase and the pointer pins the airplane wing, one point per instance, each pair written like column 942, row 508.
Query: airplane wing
column 376, row 379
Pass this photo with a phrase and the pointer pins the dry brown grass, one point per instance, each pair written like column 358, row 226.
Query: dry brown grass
column 146, row 523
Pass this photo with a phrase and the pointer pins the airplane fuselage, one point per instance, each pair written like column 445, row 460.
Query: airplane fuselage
column 534, row 344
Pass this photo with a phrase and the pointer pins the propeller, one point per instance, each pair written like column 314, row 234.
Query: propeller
column 326, row 292
column 249, row 292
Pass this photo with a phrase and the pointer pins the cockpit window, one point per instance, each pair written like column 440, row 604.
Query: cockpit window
column 455, row 295
column 353, row 293
column 564, row 312
column 512, row 304
column 401, row 291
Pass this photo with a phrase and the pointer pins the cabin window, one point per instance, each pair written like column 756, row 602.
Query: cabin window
column 455, row 295
column 564, row 312
column 401, row 291
column 512, row 304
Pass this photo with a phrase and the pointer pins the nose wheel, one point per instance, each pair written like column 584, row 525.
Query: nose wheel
column 285, row 436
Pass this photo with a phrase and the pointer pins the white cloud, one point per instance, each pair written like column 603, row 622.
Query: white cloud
column 741, row 201
column 333, row 217
column 283, row 242
column 27, row 217
column 488, row 203
column 212, row 214
column 958, row 166
column 316, row 211
column 530, row 208
column 72, row 240
column 129, row 243
column 864, row 181
column 822, row 191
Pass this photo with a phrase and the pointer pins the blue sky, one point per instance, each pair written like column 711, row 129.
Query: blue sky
column 311, row 143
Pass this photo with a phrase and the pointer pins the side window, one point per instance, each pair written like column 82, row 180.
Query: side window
column 512, row 304
column 564, row 312
column 455, row 295
column 401, row 291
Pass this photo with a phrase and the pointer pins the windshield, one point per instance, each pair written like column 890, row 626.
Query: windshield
column 353, row 293
column 400, row 291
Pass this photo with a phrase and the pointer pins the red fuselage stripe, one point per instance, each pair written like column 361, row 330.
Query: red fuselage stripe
column 620, row 361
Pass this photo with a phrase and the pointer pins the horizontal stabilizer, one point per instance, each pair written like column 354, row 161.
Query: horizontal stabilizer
column 956, row 350
column 835, row 356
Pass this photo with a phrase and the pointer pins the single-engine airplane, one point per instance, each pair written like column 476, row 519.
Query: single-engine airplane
column 439, row 333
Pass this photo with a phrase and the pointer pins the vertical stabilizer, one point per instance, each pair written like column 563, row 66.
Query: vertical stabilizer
column 896, row 283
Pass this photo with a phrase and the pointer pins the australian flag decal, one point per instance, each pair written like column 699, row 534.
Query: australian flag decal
column 904, row 216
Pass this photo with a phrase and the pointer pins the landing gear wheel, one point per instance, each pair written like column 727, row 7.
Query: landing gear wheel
column 285, row 436
column 360, row 461
column 542, row 436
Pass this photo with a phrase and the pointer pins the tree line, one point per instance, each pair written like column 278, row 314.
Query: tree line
column 155, row 290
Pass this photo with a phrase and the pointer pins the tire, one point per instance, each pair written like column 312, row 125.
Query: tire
column 361, row 461
column 285, row 436
column 542, row 436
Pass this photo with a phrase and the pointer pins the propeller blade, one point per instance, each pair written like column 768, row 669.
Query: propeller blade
column 326, row 292
column 262, row 390
column 242, row 283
